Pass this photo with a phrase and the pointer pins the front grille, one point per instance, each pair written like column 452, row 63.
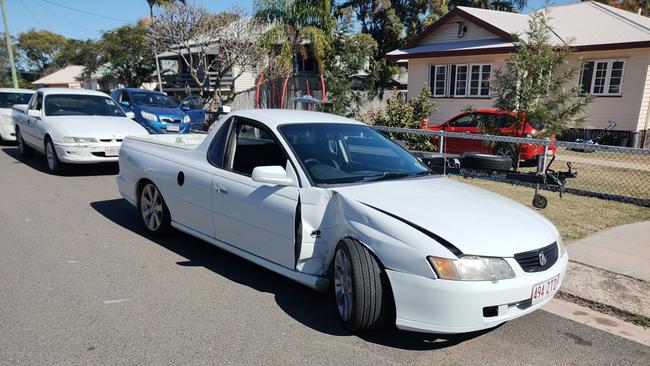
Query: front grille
column 170, row 120
column 530, row 261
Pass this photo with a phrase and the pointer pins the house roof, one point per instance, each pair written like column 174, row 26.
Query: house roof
column 597, row 26
column 67, row 75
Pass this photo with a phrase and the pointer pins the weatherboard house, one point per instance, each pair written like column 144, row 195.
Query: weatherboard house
column 457, row 57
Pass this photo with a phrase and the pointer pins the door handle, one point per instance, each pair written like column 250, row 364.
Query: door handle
column 220, row 189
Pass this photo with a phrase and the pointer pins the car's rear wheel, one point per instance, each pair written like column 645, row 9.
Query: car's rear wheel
column 25, row 151
column 53, row 163
column 153, row 210
column 359, row 287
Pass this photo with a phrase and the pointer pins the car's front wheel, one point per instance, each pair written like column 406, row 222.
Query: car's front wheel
column 25, row 151
column 360, row 290
column 153, row 210
column 53, row 163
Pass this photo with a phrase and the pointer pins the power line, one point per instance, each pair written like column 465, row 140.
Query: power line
column 30, row 14
column 85, row 12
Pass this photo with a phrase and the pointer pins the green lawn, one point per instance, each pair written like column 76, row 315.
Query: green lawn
column 575, row 216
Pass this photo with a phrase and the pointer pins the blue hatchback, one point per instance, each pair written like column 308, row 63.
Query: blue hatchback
column 157, row 112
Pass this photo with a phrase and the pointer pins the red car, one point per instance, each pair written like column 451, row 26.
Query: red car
column 472, row 121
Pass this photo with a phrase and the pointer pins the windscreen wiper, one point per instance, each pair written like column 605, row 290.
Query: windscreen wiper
column 385, row 175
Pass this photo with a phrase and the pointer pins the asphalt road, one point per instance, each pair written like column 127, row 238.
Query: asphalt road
column 81, row 283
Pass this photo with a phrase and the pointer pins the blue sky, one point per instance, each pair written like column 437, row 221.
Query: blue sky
column 43, row 14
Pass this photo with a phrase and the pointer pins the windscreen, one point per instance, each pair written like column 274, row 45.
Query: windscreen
column 336, row 153
column 7, row 100
column 155, row 100
column 81, row 105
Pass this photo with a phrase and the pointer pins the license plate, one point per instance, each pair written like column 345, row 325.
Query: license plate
column 172, row 128
column 112, row 151
column 544, row 290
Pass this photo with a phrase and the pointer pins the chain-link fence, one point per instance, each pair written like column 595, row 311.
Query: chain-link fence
column 610, row 172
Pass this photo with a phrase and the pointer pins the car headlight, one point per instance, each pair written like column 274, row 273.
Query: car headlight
column 79, row 140
column 149, row 116
column 472, row 268
column 186, row 119
column 560, row 245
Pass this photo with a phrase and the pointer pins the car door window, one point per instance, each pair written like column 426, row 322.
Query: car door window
column 38, row 102
column 464, row 121
column 124, row 97
column 217, row 150
column 252, row 146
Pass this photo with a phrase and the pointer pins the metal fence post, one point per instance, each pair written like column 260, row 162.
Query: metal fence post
column 442, row 144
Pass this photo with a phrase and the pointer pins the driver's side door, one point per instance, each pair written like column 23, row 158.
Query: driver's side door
column 30, row 129
column 256, row 217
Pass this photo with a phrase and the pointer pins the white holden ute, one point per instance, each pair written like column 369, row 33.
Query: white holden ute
column 72, row 126
column 333, row 204
column 9, row 97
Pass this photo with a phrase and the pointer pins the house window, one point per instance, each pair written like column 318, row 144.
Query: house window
column 601, row 77
column 479, row 84
column 439, row 80
column 460, row 81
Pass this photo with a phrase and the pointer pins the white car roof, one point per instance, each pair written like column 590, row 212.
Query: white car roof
column 276, row 117
column 17, row 90
column 47, row 91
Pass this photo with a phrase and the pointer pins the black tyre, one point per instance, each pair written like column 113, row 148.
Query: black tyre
column 153, row 210
column 25, row 151
column 54, row 165
column 360, row 288
column 540, row 201
column 486, row 162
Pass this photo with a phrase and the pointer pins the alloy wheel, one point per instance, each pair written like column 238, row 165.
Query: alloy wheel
column 343, row 284
column 49, row 154
column 151, row 207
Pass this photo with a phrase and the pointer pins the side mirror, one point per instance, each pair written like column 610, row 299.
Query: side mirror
column 34, row 113
column 185, row 108
column 130, row 115
column 272, row 174
column 125, row 103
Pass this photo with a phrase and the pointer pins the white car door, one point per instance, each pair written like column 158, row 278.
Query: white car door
column 29, row 130
column 256, row 217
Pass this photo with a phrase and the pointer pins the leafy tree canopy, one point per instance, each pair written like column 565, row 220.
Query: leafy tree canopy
column 125, row 56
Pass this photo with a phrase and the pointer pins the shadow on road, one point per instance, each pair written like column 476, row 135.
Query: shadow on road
column 37, row 162
column 313, row 309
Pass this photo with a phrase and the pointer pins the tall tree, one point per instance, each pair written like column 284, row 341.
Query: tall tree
column 389, row 23
column 345, row 68
column 125, row 56
column 38, row 49
column 77, row 52
column 210, row 46
column 538, row 81
column 153, row 3
column 501, row 5
column 295, row 28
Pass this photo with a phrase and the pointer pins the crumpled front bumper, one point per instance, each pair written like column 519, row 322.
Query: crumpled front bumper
column 443, row 306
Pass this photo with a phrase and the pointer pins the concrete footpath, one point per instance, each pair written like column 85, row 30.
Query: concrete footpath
column 612, row 268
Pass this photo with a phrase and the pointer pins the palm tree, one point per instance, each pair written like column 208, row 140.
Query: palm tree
column 294, row 26
column 153, row 3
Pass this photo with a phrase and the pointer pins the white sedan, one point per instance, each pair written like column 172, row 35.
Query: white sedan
column 9, row 97
column 333, row 204
column 72, row 126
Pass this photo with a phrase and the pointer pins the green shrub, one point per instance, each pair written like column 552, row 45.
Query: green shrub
column 403, row 113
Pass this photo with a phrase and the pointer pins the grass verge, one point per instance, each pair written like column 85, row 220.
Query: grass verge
column 574, row 216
